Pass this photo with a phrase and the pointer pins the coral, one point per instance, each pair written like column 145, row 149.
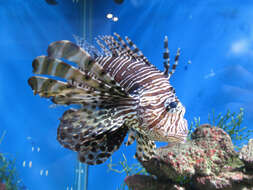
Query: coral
column 207, row 161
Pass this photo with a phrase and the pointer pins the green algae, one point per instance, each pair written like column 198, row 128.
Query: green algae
column 231, row 122
column 8, row 170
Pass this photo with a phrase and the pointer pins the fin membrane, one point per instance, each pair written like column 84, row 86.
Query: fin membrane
column 120, row 48
column 64, row 93
column 131, row 137
column 71, row 52
column 101, row 148
column 95, row 134
column 57, row 68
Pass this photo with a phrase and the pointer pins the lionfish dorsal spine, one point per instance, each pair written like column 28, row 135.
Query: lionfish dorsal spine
column 166, row 56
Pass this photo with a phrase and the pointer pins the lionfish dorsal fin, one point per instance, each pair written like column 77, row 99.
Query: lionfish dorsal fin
column 119, row 47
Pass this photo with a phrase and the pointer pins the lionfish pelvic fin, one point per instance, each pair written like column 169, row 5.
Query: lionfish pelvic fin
column 131, row 137
column 145, row 149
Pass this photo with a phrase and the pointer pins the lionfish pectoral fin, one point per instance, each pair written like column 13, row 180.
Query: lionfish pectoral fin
column 64, row 93
column 102, row 147
column 145, row 149
column 44, row 65
column 46, row 87
column 74, row 53
column 94, row 134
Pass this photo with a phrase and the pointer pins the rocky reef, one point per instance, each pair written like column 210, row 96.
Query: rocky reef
column 208, row 161
column 2, row 186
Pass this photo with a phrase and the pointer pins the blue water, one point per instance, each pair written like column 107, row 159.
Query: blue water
column 216, row 36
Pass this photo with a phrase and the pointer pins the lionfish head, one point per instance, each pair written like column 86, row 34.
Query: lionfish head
column 163, row 116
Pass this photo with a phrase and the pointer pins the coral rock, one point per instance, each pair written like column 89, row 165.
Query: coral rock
column 208, row 152
column 2, row 186
column 224, row 181
column 208, row 161
column 141, row 182
column 246, row 155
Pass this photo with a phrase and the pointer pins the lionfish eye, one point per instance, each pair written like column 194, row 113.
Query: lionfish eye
column 171, row 105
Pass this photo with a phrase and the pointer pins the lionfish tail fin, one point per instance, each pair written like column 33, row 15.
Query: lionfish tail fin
column 94, row 134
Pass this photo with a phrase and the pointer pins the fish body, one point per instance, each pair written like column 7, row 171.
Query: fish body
column 119, row 92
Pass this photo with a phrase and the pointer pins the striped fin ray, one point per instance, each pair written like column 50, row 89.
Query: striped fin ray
column 72, row 52
column 109, row 43
column 125, row 48
column 90, row 131
column 116, row 45
column 135, row 52
column 55, row 67
column 84, row 44
column 166, row 57
column 174, row 66
column 117, row 48
column 64, row 93
column 46, row 87
column 104, row 49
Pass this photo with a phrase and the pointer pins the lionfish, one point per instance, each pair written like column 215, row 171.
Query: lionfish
column 118, row 92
